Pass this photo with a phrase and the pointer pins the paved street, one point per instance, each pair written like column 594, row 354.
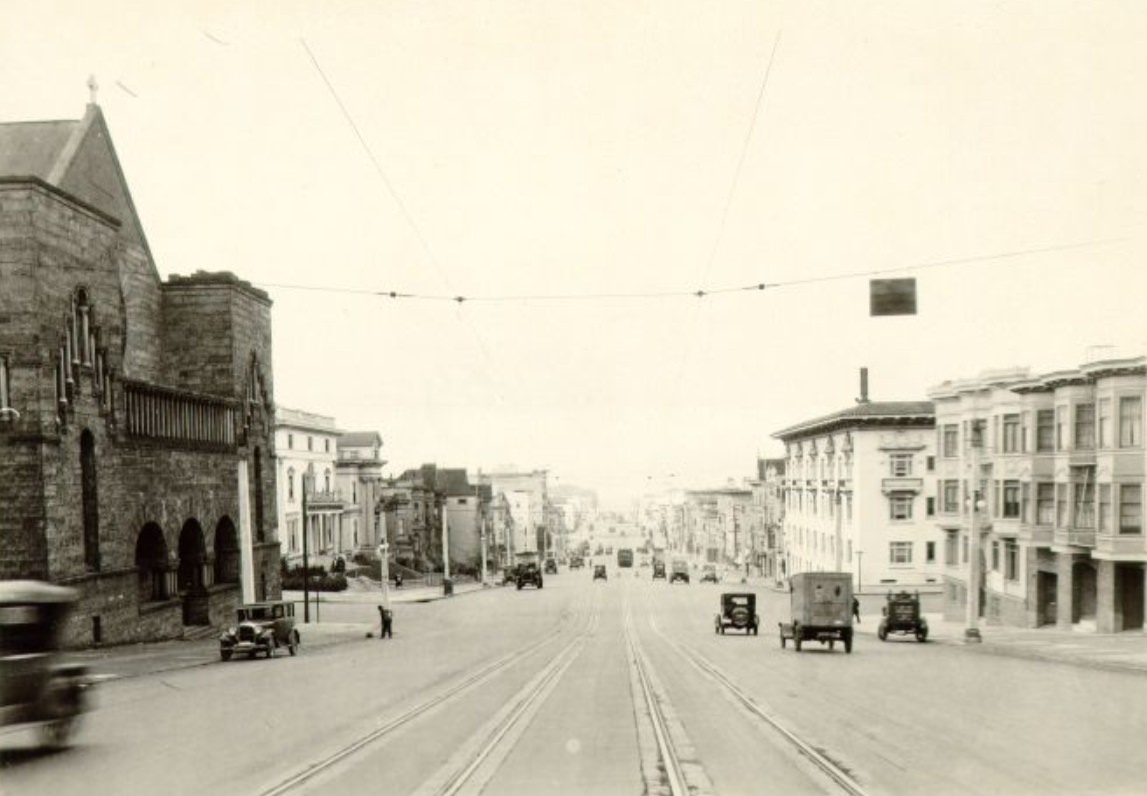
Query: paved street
column 538, row 691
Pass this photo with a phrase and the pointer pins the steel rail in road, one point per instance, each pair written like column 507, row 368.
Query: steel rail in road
column 674, row 773
column 533, row 693
column 819, row 760
column 467, row 684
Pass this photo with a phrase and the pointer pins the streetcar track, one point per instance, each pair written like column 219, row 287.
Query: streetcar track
column 467, row 684
column 819, row 758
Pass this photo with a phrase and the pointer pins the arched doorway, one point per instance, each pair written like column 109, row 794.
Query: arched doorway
column 192, row 557
column 1084, row 585
column 151, row 564
column 227, row 557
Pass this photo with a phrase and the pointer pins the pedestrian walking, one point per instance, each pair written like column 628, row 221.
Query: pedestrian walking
column 386, row 621
column 856, row 609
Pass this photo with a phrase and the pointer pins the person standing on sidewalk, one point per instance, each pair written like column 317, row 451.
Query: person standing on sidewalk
column 856, row 609
column 386, row 621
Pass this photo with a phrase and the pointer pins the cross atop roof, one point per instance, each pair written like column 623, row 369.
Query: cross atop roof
column 93, row 87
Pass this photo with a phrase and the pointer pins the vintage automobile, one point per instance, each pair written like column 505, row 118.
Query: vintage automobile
column 709, row 574
column 551, row 566
column 599, row 572
column 821, row 604
column 510, row 575
column 260, row 627
column 38, row 687
column 576, row 562
column 658, row 570
column 529, row 573
column 902, row 616
column 738, row 611
column 680, row 571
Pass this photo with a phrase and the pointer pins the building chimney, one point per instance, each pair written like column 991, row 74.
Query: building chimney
column 863, row 399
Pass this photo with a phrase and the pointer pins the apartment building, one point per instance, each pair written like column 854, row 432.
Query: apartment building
column 1040, row 486
column 858, row 495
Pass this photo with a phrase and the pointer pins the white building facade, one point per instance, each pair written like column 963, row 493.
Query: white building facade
column 859, row 496
column 306, row 449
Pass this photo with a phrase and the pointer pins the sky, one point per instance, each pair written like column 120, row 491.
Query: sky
column 578, row 172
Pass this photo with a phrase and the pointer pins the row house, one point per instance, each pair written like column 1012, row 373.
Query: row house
column 136, row 434
column 767, row 516
column 528, row 500
column 858, row 494
column 1040, row 482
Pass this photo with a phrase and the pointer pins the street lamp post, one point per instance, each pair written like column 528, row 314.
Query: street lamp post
column 973, row 505
column 859, row 570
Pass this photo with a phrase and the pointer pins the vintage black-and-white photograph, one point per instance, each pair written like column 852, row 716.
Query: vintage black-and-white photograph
column 608, row 397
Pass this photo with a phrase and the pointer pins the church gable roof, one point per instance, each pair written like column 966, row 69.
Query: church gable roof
column 78, row 158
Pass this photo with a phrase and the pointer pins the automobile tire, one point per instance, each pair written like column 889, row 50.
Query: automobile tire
column 921, row 636
column 796, row 642
column 55, row 734
column 519, row 585
column 293, row 645
column 848, row 643
column 225, row 654
column 783, row 641
column 882, row 633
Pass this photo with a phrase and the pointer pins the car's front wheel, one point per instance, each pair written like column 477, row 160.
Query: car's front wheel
column 293, row 644
column 225, row 654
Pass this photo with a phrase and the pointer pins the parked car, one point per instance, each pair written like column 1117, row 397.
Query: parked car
column 821, row 604
column 38, row 686
column 261, row 627
column 709, row 574
column 738, row 611
column 551, row 566
column 599, row 572
column 529, row 574
column 510, row 575
column 680, row 571
column 659, row 570
column 902, row 616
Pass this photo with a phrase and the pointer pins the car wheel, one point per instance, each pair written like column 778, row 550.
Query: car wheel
column 882, row 633
column 797, row 642
column 293, row 645
column 784, row 643
column 921, row 636
column 55, row 734
column 519, row 585
column 225, row 654
column 848, row 643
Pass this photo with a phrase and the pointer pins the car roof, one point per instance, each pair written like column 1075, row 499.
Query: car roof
column 35, row 591
column 729, row 595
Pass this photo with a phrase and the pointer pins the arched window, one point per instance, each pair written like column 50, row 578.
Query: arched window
column 258, row 494
column 226, row 552
column 90, row 500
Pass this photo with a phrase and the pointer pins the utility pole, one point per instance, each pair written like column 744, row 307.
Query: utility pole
column 306, row 569
column 972, row 629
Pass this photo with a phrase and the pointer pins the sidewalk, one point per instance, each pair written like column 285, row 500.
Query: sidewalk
column 135, row 660
column 1123, row 652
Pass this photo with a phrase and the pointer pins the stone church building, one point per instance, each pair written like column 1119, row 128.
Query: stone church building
column 136, row 415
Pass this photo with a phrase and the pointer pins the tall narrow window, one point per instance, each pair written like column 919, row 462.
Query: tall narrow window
column 5, row 401
column 1011, row 433
column 1060, row 428
column 259, row 494
column 1045, row 504
column 1105, row 508
column 1045, row 430
column 90, row 501
column 1104, row 423
column 1130, row 421
column 1085, row 427
column 1011, row 503
column 1130, row 508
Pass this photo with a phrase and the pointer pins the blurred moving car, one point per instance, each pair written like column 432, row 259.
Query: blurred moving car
column 680, row 571
column 738, row 611
column 261, row 627
column 709, row 574
column 576, row 562
column 599, row 572
column 551, row 566
column 37, row 686
column 659, row 570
